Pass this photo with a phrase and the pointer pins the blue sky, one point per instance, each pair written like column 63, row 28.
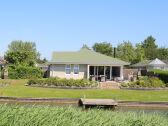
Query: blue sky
column 65, row 25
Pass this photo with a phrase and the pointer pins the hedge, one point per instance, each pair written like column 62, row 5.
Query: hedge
column 161, row 74
column 63, row 82
column 24, row 72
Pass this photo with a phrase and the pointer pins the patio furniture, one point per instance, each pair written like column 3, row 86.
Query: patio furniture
column 92, row 77
column 102, row 78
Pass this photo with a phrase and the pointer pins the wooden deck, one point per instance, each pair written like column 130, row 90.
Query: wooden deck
column 98, row 102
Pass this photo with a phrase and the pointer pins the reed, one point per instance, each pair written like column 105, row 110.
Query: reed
column 40, row 115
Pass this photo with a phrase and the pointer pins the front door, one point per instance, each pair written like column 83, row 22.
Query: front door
column 108, row 72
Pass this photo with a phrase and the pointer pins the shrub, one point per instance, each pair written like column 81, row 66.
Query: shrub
column 155, row 82
column 124, row 84
column 166, row 84
column 161, row 74
column 133, row 84
column 150, row 82
column 63, row 82
column 143, row 78
column 24, row 72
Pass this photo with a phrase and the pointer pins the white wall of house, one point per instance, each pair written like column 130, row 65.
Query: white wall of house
column 58, row 70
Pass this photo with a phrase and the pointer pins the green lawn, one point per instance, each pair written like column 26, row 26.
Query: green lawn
column 17, row 89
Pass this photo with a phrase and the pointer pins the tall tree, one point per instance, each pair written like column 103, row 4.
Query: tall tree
column 150, row 47
column 126, row 52
column 140, row 53
column 104, row 48
column 22, row 52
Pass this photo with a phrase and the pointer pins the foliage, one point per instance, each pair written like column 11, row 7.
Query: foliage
column 104, row 48
column 41, row 61
column 150, row 47
column 162, row 74
column 124, row 84
column 19, row 57
column 147, row 50
column 20, row 52
column 63, row 82
column 140, row 53
column 162, row 53
column 41, row 115
column 126, row 52
column 149, row 42
column 23, row 72
column 150, row 82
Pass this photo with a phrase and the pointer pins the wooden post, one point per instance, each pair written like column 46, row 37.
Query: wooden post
column 88, row 70
column 121, row 72
column 110, row 72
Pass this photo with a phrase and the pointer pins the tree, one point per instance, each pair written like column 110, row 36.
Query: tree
column 150, row 48
column 162, row 53
column 126, row 52
column 104, row 48
column 22, row 52
column 16, row 57
column 40, row 61
column 140, row 53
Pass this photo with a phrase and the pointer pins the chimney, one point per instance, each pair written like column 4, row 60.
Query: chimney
column 115, row 50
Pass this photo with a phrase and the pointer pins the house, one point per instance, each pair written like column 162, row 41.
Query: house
column 43, row 67
column 151, row 64
column 85, row 63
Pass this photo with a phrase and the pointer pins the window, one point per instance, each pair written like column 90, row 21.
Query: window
column 68, row 69
column 76, row 69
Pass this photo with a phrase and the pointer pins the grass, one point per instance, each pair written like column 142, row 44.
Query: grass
column 17, row 89
column 24, row 115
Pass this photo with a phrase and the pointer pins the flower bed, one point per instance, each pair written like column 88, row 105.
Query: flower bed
column 62, row 82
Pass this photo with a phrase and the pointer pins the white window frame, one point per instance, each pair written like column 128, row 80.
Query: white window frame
column 74, row 69
column 68, row 69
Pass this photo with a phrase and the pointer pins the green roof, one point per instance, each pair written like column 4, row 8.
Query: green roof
column 84, row 56
column 142, row 64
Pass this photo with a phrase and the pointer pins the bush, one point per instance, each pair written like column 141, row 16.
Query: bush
column 124, row 84
column 63, row 82
column 161, row 74
column 24, row 72
column 150, row 82
column 166, row 84
column 155, row 82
